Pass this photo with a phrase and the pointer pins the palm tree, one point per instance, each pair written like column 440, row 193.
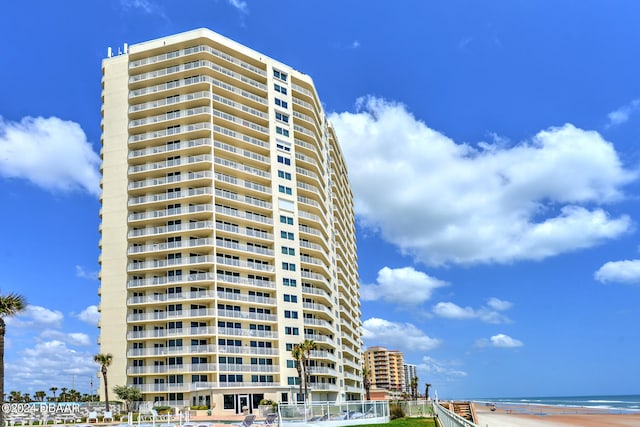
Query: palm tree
column 426, row 391
column 63, row 394
column 414, row 388
column 366, row 380
column 16, row 396
column 307, row 346
column 104, row 360
column 40, row 395
column 10, row 305
column 297, row 354
column 53, row 390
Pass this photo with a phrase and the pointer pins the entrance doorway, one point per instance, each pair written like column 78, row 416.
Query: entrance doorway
column 243, row 404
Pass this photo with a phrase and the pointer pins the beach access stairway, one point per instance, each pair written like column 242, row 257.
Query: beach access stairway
column 455, row 414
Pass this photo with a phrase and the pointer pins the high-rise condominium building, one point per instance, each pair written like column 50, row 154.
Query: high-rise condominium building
column 410, row 372
column 386, row 368
column 227, row 227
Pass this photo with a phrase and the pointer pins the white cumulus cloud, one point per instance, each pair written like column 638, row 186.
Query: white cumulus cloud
column 71, row 338
column 501, row 341
column 90, row 315
column 490, row 313
column 400, row 285
column 84, row 274
column 52, row 153
column 36, row 316
column 241, row 5
column 626, row 271
column 436, row 369
column 397, row 336
column 445, row 202
column 622, row 114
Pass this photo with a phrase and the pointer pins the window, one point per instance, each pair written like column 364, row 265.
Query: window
column 288, row 266
column 284, row 175
column 286, row 219
column 282, row 131
column 288, row 330
column 289, row 282
column 229, row 401
column 282, row 117
column 284, row 160
column 293, row 380
column 280, row 89
column 280, row 75
column 288, row 251
column 283, row 145
column 285, row 190
column 290, row 298
column 290, row 314
column 287, row 235
column 281, row 103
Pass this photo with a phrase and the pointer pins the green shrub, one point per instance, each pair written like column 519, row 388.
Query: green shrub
column 162, row 409
column 396, row 411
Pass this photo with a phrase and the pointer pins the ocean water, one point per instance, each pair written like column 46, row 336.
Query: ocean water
column 622, row 403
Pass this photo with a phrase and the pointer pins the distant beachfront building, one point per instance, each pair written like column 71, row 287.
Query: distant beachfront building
column 410, row 372
column 386, row 368
column 228, row 232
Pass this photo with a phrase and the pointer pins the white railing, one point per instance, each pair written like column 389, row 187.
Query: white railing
column 449, row 419
column 334, row 414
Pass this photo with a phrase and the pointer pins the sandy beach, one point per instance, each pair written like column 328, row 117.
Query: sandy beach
column 549, row 416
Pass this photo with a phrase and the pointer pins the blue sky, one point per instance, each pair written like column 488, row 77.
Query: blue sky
column 492, row 148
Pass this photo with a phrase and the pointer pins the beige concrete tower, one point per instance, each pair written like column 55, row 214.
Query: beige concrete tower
column 386, row 367
column 228, row 231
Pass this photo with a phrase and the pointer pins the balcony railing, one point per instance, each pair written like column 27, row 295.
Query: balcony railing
column 194, row 50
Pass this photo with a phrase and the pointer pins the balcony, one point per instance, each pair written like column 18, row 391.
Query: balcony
column 227, row 278
column 171, row 315
column 253, row 201
column 174, row 195
column 243, row 332
column 242, row 231
column 318, row 338
column 193, row 51
column 230, row 262
column 191, row 81
column 173, row 115
column 242, row 168
column 166, row 246
column 158, row 231
column 246, row 315
column 246, row 185
column 168, row 333
column 174, row 163
column 175, row 280
column 171, row 132
column 245, row 367
column 248, row 216
column 171, row 297
column 182, row 68
column 157, row 103
column 250, row 155
column 162, row 213
column 163, row 369
column 171, row 351
column 241, row 247
column 191, row 178
column 169, row 148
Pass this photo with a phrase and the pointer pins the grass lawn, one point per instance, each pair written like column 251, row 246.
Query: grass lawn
column 408, row 422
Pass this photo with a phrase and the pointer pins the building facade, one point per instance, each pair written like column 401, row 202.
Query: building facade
column 386, row 368
column 410, row 372
column 227, row 229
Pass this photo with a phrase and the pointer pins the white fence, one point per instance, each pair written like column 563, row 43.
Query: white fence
column 449, row 419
